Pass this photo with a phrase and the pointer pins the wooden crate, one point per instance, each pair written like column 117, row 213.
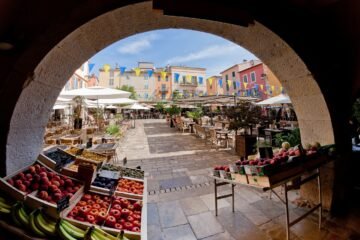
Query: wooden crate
column 48, row 161
column 11, row 190
column 115, row 232
column 33, row 201
column 259, row 181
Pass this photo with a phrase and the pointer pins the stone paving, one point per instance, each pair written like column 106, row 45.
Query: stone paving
column 181, row 196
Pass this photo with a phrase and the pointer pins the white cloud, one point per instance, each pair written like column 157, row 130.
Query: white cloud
column 209, row 52
column 138, row 45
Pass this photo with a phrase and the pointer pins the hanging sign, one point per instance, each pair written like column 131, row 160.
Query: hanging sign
column 91, row 66
column 188, row 78
column 176, row 77
column 245, row 85
column 137, row 71
column 210, row 81
column 106, row 67
column 150, row 72
column 261, row 87
column 220, row 82
column 122, row 70
column 163, row 75
column 229, row 83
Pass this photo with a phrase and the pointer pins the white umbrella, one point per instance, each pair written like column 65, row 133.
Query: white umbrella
column 117, row 101
column 136, row 106
column 279, row 99
column 95, row 93
column 64, row 100
column 111, row 107
column 58, row 106
column 187, row 106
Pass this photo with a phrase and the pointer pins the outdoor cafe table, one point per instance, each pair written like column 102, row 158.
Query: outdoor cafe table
column 306, row 172
column 71, row 138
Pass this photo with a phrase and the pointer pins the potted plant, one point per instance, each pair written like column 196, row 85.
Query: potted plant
column 195, row 115
column 173, row 111
column 243, row 117
column 78, row 103
column 160, row 108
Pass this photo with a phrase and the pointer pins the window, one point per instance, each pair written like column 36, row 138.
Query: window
column 253, row 76
column 245, row 78
column 163, row 96
column 227, row 86
column 234, row 84
column 233, row 74
column 201, row 80
column 146, row 76
column 163, row 87
column 184, row 79
column 226, row 77
column 75, row 83
column 159, row 78
column 167, row 78
column 194, row 79
column 146, row 86
column 111, row 81
column 146, row 95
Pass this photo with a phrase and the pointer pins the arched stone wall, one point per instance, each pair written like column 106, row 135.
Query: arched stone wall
column 42, row 88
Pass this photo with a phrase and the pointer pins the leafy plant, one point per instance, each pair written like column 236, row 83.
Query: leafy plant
column 244, row 116
column 196, row 114
column 160, row 107
column 130, row 89
column 293, row 138
column 173, row 110
column 176, row 95
column 113, row 130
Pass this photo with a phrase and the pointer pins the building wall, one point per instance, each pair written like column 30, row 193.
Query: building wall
column 272, row 80
column 187, row 88
column 229, row 78
column 248, row 83
column 214, row 88
column 79, row 78
column 93, row 81
column 143, row 84
column 163, row 86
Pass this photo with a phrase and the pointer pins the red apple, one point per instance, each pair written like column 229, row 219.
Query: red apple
column 135, row 229
column 36, row 178
column 122, row 221
column 101, row 217
column 22, row 188
column 44, row 187
column 110, row 221
column 87, row 197
column 32, row 170
column 57, row 197
column 51, row 175
column 131, row 207
column 96, row 206
column 90, row 218
column 116, row 213
column 43, row 174
column 137, row 223
column 18, row 182
column 119, row 226
column 129, row 226
column 94, row 212
column 130, row 219
column 116, row 206
column 137, row 205
column 80, row 218
column 43, row 195
column 125, row 212
column 10, row 181
column 56, row 183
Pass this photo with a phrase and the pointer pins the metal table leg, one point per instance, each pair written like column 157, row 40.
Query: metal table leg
column 233, row 197
column 287, row 213
column 320, row 197
column 216, row 206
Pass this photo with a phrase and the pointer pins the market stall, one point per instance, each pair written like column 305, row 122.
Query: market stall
column 41, row 201
column 289, row 168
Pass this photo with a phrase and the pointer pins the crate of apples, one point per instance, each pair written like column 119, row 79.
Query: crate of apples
column 92, row 208
column 130, row 187
column 124, row 214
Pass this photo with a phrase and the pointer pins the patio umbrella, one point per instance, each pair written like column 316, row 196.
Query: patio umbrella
column 111, row 107
column 117, row 101
column 95, row 93
column 279, row 99
column 58, row 106
column 136, row 106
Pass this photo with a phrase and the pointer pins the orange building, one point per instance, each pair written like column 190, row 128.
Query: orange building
column 213, row 86
column 162, row 84
column 273, row 81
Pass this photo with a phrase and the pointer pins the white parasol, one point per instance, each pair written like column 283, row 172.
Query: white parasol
column 279, row 99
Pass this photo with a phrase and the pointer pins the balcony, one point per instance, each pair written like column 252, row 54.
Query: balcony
column 189, row 84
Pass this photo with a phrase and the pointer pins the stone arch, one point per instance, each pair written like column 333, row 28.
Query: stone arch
column 42, row 88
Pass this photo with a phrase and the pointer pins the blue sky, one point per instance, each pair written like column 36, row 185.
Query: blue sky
column 174, row 47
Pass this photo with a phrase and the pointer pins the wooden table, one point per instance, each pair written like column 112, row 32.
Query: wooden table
column 70, row 139
column 308, row 171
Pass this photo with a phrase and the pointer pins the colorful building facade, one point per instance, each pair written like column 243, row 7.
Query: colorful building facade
column 79, row 79
column 188, row 81
column 214, row 86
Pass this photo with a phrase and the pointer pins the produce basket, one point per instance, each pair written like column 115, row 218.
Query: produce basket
column 55, row 158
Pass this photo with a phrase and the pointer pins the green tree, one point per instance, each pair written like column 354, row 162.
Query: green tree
column 159, row 106
column 130, row 89
column 176, row 95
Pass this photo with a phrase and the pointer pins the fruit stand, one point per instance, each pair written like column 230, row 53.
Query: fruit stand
column 43, row 202
column 289, row 169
